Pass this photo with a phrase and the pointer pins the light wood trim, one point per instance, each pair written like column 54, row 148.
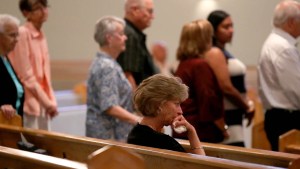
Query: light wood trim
column 18, row 159
column 258, row 156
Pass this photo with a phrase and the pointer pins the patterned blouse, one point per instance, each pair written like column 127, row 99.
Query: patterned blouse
column 107, row 86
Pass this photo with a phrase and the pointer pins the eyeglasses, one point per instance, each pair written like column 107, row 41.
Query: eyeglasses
column 39, row 8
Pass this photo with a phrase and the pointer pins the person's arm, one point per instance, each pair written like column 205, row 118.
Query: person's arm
column 122, row 114
column 217, row 62
column 130, row 59
column 195, row 144
column 106, row 84
column 21, row 62
column 131, row 80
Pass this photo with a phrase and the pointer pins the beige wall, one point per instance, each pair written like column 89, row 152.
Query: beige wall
column 70, row 25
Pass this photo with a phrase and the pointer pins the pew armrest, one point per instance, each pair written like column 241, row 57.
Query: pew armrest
column 16, row 120
column 113, row 157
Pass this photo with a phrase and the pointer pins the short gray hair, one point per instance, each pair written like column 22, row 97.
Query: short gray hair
column 285, row 10
column 105, row 26
column 6, row 19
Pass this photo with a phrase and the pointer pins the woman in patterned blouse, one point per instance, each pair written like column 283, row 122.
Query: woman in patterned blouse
column 109, row 97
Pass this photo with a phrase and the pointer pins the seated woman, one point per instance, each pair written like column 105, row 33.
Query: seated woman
column 158, row 98
column 11, row 90
column 109, row 94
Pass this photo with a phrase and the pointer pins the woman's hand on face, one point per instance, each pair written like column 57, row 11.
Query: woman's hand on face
column 8, row 111
column 181, row 121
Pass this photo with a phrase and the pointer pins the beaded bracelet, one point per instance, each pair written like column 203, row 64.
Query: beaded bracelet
column 194, row 148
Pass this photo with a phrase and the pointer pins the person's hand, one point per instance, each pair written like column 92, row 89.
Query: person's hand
column 225, row 134
column 181, row 124
column 51, row 111
column 249, row 116
column 250, row 112
column 8, row 111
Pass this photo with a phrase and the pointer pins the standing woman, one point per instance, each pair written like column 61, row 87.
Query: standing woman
column 30, row 59
column 230, row 73
column 11, row 90
column 109, row 92
column 204, row 106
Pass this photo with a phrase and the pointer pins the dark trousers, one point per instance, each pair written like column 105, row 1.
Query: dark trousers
column 279, row 121
column 235, row 117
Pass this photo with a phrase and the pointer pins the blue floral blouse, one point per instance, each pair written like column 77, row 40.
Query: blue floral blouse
column 107, row 86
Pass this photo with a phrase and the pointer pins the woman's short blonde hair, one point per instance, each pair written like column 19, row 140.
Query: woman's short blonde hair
column 195, row 39
column 157, row 89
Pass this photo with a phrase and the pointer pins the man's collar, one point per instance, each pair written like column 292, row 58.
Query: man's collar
column 134, row 27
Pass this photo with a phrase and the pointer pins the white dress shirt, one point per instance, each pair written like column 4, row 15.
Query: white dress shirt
column 279, row 72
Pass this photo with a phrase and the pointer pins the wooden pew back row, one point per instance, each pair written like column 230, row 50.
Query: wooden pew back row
column 78, row 148
column 258, row 156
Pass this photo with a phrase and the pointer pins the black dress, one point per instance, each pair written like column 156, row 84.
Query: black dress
column 146, row 136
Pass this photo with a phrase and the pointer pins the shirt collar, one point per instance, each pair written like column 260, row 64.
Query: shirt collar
column 104, row 55
column 135, row 28
column 34, row 32
column 285, row 35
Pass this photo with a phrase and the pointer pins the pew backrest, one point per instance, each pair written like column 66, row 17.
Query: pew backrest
column 290, row 142
column 258, row 156
column 78, row 148
column 15, row 121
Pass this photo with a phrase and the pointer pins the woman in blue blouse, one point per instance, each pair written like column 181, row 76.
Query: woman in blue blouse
column 109, row 99
column 11, row 90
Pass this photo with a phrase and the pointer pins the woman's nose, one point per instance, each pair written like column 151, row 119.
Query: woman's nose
column 180, row 111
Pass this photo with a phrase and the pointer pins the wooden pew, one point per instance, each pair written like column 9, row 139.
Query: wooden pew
column 15, row 121
column 113, row 157
column 290, row 142
column 258, row 156
column 18, row 159
column 78, row 148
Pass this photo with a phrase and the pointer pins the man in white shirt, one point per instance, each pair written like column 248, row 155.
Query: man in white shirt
column 279, row 73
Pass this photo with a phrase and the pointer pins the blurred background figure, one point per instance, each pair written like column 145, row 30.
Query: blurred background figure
column 279, row 73
column 158, row 99
column 204, row 106
column 136, row 61
column 30, row 59
column 109, row 99
column 159, row 51
column 11, row 90
column 230, row 73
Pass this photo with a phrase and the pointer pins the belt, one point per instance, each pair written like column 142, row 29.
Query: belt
column 285, row 110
